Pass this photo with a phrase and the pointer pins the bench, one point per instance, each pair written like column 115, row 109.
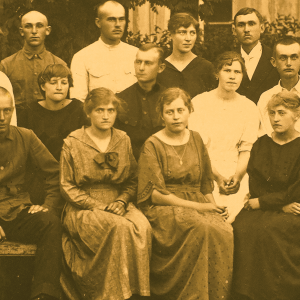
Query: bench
column 8, row 248
column 16, row 270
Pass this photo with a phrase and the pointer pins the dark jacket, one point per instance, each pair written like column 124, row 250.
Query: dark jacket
column 264, row 77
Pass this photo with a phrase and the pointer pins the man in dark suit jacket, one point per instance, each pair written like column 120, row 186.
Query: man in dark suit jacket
column 261, row 75
column 141, row 120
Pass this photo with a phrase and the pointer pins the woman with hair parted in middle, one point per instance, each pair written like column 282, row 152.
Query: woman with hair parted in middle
column 228, row 124
column 266, row 231
column 184, row 69
column 192, row 244
column 107, row 240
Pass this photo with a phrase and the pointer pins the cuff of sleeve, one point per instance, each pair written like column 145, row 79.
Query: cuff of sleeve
column 245, row 146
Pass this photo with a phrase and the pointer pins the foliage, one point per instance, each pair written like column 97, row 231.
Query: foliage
column 282, row 27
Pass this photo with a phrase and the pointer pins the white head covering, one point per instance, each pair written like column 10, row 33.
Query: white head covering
column 5, row 83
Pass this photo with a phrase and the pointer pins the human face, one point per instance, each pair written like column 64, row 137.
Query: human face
column 176, row 116
column 56, row 89
column 34, row 28
column 248, row 29
column 184, row 39
column 103, row 116
column 6, row 111
column 282, row 119
column 230, row 77
column 147, row 65
column 112, row 22
column 287, row 60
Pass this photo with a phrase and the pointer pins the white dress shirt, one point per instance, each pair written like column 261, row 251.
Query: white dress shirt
column 252, row 59
column 102, row 65
column 262, row 104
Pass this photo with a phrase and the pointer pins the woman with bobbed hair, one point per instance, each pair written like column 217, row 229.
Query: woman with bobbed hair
column 53, row 118
column 228, row 124
column 184, row 69
column 107, row 240
column 266, row 231
column 192, row 244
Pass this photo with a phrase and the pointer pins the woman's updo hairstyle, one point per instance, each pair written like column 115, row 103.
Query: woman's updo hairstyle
column 171, row 94
column 226, row 59
column 287, row 99
column 182, row 20
column 100, row 96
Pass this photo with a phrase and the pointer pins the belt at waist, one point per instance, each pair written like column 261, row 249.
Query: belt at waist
column 183, row 188
column 100, row 186
column 12, row 189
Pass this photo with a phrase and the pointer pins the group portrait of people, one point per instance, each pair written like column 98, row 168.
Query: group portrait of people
column 144, row 177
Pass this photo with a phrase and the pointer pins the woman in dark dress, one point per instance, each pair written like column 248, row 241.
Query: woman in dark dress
column 55, row 117
column 266, row 231
column 192, row 244
column 184, row 69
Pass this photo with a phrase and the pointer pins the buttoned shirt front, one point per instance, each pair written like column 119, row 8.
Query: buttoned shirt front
column 252, row 59
column 265, row 125
column 23, row 68
column 20, row 147
column 102, row 65
column 141, row 119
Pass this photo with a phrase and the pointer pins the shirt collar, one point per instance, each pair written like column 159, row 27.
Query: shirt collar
column 154, row 89
column 296, row 87
column 30, row 54
column 109, row 47
column 254, row 52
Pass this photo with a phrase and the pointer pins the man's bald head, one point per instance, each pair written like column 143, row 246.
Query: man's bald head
column 5, row 94
column 34, row 28
column 107, row 7
column 34, row 16
column 6, row 111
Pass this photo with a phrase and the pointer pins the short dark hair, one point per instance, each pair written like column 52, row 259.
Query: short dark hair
column 227, row 58
column 182, row 20
column 54, row 70
column 247, row 11
column 100, row 96
column 148, row 46
column 101, row 4
column 285, row 41
column 171, row 94
column 287, row 99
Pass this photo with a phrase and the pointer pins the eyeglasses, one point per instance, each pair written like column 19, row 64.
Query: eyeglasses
column 185, row 32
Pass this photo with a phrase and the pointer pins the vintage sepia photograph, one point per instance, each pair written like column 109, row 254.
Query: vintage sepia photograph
column 149, row 149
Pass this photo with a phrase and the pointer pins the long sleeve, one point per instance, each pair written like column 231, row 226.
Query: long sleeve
column 274, row 178
column 129, row 186
column 80, row 79
column 42, row 158
column 69, row 189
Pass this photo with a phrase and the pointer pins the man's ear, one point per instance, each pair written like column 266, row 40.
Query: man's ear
column 98, row 22
column 43, row 87
column 262, row 28
column 233, row 30
column 48, row 30
column 161, row 67
column 273, row 62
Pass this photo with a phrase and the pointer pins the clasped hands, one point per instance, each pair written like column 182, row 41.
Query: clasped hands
column 229, row 185
column 117, row 207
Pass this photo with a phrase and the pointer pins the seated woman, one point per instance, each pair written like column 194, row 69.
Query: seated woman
column 107, row 240
column 266, row 231
column 184, row 69
column 228, row 124
column 55, row 117
column 192, row 244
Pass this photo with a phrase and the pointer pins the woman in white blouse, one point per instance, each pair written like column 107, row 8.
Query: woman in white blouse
column 228, row 124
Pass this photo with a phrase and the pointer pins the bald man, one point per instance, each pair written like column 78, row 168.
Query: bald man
column 108, row 62
column 23, row 67
column 20, row 220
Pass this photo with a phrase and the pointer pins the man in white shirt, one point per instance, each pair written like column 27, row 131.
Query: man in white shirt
column 107, row 62
column 261, row 75
column 286, row 59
